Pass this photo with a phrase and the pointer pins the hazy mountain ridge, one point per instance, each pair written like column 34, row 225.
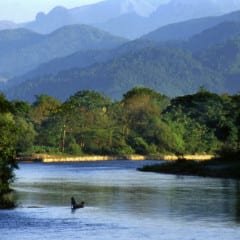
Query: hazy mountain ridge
column 82, row 59
column 12, row 40
column 7, row 25
column 172, row 67
column 214, row 36
column 187, row 29
column 147, row 63
column 94, row 14
column 140, row 16
column 130, row 18
column 148, row 67
column 27, row 50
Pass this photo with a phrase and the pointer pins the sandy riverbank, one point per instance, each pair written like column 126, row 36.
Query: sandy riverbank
column 54, row 158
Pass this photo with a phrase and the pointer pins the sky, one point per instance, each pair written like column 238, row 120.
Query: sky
column 26, row 10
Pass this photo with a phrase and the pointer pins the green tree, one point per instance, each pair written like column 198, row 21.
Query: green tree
column 205, row 121
column 81, row 124
column 8, row 132
column 141, row 118
column 43, row 107
column 26, row 132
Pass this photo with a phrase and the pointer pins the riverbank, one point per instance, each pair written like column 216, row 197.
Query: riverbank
column 45, row 158
column 216, row 168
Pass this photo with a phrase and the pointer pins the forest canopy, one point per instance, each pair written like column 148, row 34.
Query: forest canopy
column 144, row 122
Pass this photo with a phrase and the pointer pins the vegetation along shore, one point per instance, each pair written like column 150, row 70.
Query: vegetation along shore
column 225, row 166
column 143, row 123
column 46, row 158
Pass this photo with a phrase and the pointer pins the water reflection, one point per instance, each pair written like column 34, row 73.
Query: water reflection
column 237, row 202
column 121, row 203
column 124, row 190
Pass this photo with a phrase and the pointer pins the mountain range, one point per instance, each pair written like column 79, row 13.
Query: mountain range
column 176, row 59
column 22, row 50
column 140, row 16
column 175, row 68
column 147, row 67
column 101, row 15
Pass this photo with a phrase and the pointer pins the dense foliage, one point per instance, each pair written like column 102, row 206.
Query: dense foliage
column 143, row 122
column 8, row 132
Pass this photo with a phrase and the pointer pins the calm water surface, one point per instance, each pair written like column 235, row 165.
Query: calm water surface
column 121, row 203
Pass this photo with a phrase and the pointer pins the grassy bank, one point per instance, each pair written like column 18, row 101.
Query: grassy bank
column 217, row 168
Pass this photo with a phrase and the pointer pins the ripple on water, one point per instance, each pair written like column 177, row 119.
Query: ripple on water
column 60, row 222
column 125, row 204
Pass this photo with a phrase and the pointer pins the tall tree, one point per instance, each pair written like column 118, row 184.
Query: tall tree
column 8, row 132
column 142, row 108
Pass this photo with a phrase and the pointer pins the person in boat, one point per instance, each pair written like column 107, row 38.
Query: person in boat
column 75, row 205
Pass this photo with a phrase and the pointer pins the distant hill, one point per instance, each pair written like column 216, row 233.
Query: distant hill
column 95, row 14
column 13, row 40
column 128, row 25
column 147, row 67
column 131, row 18
column 187, row 29
column 213, row 36
column 80, row 59
column 209, row 59
column 7, row 25
column 22, row 50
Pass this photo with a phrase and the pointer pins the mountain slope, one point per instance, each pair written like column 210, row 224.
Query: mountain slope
column 21, row 54
column 214, row 36
column 187, row 29
column 80, row 59
column 7, row 25
column 12, row 40
column 128, row 25
column 224, row 59
column 205, row 47
column 148, row 67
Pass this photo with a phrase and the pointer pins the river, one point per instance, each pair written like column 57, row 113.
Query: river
column 121, row 203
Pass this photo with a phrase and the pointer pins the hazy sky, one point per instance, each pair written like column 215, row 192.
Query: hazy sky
column 25, row 10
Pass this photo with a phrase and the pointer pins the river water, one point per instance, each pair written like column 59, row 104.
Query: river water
column 121, row 203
